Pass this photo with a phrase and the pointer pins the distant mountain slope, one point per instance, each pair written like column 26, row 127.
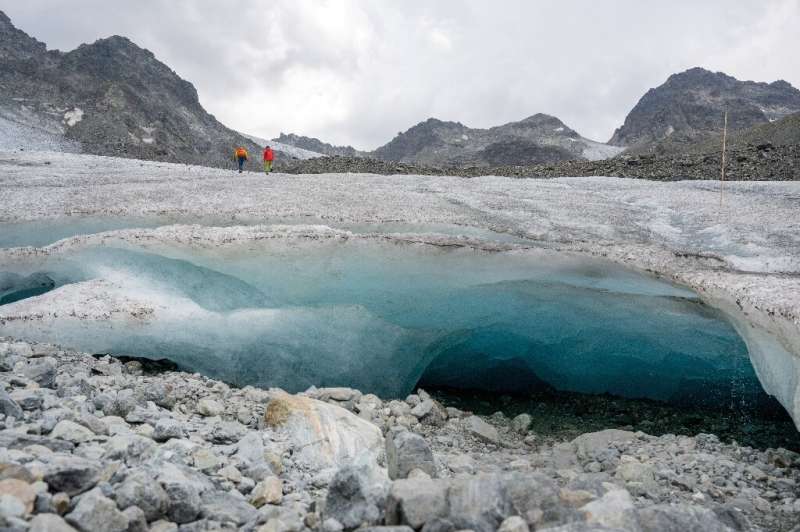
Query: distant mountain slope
column 537, row 139
column 317, row 146
column 783, row 132
column 107, row 98
column 689, row 108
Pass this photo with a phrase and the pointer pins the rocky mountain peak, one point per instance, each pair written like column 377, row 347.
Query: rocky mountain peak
column 110, row 97
column 118, row 60
column 541, row 118
column 538, row 125
column 782, row 84
column 699, row 76
column 690, row 106
column 15, row 44
column 539, row 138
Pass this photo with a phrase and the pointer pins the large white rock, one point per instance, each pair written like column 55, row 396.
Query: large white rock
column 323, row 435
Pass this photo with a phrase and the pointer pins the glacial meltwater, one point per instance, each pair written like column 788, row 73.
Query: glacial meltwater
column 386, row 316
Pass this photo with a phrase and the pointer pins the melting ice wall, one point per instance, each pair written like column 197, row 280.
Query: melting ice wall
column 380, row 316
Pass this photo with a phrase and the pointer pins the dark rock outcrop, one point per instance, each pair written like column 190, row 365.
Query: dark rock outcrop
column 690, row 106
column 107, row 98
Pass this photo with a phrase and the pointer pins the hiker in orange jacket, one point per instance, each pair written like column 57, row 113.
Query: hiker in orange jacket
column 240, row 156
column 269, row 157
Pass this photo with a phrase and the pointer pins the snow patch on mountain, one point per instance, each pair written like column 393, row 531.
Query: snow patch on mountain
column 598, row 151
column 292, row 151
column 73, row 117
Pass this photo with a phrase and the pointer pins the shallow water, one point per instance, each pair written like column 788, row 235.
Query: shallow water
column 562, row 416
column 385, row 316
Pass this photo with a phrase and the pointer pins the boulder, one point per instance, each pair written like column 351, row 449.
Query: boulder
column 482, row 502
column 16, row 440
column 589, row 444
column 41, row 370
column 19, row 490
column 129, row 447
column 137, row 522
column 430, row 412
column 415, row 502
column 50, row 523
column 141, row 489
column 16, row 471
column 225, row 432
column 210, row 408
column 268, row 491
column 521, row 423
column 337, row 394
column 225, row 507
column 406, row 451
column 163, row 526
column 513, row 524
column 29, row 399
column 95, row 511
column 71, row 474
column 679, row 518
column 8, row 406
column 639, row 478
column 71, row 431
column 386, row 529
column 323, row 435
column 357, row 496
column 439, row 525
column 613, row 510
column 119, row 404
column 184, row 487
column 480, row 429
column 167, row 428
column 205, row 459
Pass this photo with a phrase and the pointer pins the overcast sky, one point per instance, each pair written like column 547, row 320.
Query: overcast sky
column 358, row 71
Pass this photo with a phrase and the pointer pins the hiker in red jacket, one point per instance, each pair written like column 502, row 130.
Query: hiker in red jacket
column 269, row 157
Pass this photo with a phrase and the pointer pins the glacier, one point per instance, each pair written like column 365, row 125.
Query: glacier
column 331, row 308
column 663, row 290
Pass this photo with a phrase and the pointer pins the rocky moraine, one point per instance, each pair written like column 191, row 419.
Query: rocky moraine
column 93, row 443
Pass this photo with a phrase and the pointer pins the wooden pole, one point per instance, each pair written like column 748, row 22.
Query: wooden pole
column 722, row 171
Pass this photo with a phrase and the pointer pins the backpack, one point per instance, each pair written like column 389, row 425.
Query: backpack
column 241, row 152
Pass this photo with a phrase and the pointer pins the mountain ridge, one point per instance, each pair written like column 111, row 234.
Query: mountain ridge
column 689, row 107
column 109, row 97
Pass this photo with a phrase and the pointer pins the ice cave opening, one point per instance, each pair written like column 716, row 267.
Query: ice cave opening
column 386, row 316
